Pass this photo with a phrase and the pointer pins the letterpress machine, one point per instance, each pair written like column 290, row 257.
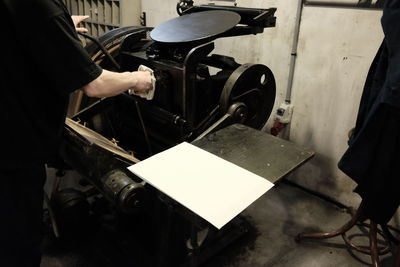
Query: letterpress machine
column 197, row 93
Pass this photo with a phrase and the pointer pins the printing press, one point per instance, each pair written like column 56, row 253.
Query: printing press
column 198, row 93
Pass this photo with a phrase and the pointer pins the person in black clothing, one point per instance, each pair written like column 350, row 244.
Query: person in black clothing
column 42, row 61
column 372, row 159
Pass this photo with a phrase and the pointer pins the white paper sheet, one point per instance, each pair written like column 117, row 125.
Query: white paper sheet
column 211, row 187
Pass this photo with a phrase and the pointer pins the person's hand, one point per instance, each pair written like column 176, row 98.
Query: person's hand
column 143, row 82
column 78, row 19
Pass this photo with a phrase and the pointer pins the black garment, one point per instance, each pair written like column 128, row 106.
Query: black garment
column 42, row 61
column 372, row 159
column 21, row 204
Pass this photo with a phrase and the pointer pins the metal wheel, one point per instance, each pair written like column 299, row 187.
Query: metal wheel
column 253, row 85
column 183, row 5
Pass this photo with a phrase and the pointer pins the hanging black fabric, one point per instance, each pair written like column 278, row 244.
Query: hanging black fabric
column 373, row 156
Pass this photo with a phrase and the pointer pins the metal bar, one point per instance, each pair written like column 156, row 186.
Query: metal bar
column 293, row 53
column 189, row 77
column 241, row 30
column 396, row 261
column 146, row 136
column 214, row 127
column 248, row 15
column 338, row 4
column 373, row 245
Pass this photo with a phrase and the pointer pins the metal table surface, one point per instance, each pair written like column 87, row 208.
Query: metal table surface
column 259, row 152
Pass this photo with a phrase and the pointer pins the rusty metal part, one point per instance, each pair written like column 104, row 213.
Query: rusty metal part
column 368, row 251
column 357, row 218
column 347, row 226
column 396, row 262
column 373, row 245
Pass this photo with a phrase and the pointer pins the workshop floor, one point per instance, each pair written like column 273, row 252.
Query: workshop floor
column 276, row 218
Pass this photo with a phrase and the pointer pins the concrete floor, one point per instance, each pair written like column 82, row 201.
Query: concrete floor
column 275, row 219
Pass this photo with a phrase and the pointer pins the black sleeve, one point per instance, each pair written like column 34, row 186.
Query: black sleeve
column 53, row 45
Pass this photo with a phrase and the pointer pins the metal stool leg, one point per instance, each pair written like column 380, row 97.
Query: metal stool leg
column 373, row 244
column 355, row 218
column 396, row 262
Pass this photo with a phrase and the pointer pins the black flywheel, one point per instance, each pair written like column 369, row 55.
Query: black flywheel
column 253, row 85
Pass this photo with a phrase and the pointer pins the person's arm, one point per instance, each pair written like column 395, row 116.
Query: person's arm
column 113, row 83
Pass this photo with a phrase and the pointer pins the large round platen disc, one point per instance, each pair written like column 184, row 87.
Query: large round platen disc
column 195, row 26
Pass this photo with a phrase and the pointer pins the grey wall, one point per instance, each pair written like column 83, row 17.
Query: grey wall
column 336, row 48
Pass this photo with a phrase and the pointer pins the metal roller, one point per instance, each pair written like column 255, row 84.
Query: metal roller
column 127, row 194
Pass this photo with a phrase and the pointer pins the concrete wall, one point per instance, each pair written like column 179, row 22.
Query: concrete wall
column 336, row 47
column 131, row 12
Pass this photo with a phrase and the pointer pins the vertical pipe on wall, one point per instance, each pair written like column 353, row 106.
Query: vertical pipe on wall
column 294, row 51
